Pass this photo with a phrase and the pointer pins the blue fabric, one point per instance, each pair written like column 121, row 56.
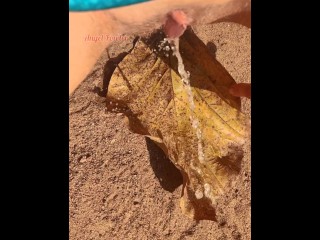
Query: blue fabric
column 88, row 5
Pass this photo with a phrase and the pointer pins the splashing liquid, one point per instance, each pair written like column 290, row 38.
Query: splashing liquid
column 185, row 76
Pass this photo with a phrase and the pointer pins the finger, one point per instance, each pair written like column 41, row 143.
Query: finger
column 241, row 90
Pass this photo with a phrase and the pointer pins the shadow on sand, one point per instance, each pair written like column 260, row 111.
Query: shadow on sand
column 168, row 175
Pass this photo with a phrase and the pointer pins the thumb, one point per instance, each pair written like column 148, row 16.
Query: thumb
column 241, row 90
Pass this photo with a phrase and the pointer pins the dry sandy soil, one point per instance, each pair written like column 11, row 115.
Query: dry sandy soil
column 122, row 186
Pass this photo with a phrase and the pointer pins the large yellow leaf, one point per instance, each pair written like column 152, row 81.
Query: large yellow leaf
column 147, row 87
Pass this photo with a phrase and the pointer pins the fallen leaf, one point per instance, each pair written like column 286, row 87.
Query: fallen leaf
column 147, row 87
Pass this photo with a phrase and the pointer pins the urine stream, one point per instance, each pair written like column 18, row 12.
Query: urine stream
column 185, row 76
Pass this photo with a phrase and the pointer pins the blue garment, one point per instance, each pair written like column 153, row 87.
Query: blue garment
column 88, row 5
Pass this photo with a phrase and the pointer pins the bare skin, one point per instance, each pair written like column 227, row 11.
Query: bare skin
column 141, row 19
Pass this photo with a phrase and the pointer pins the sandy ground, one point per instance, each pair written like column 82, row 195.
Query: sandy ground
column 121, row 184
